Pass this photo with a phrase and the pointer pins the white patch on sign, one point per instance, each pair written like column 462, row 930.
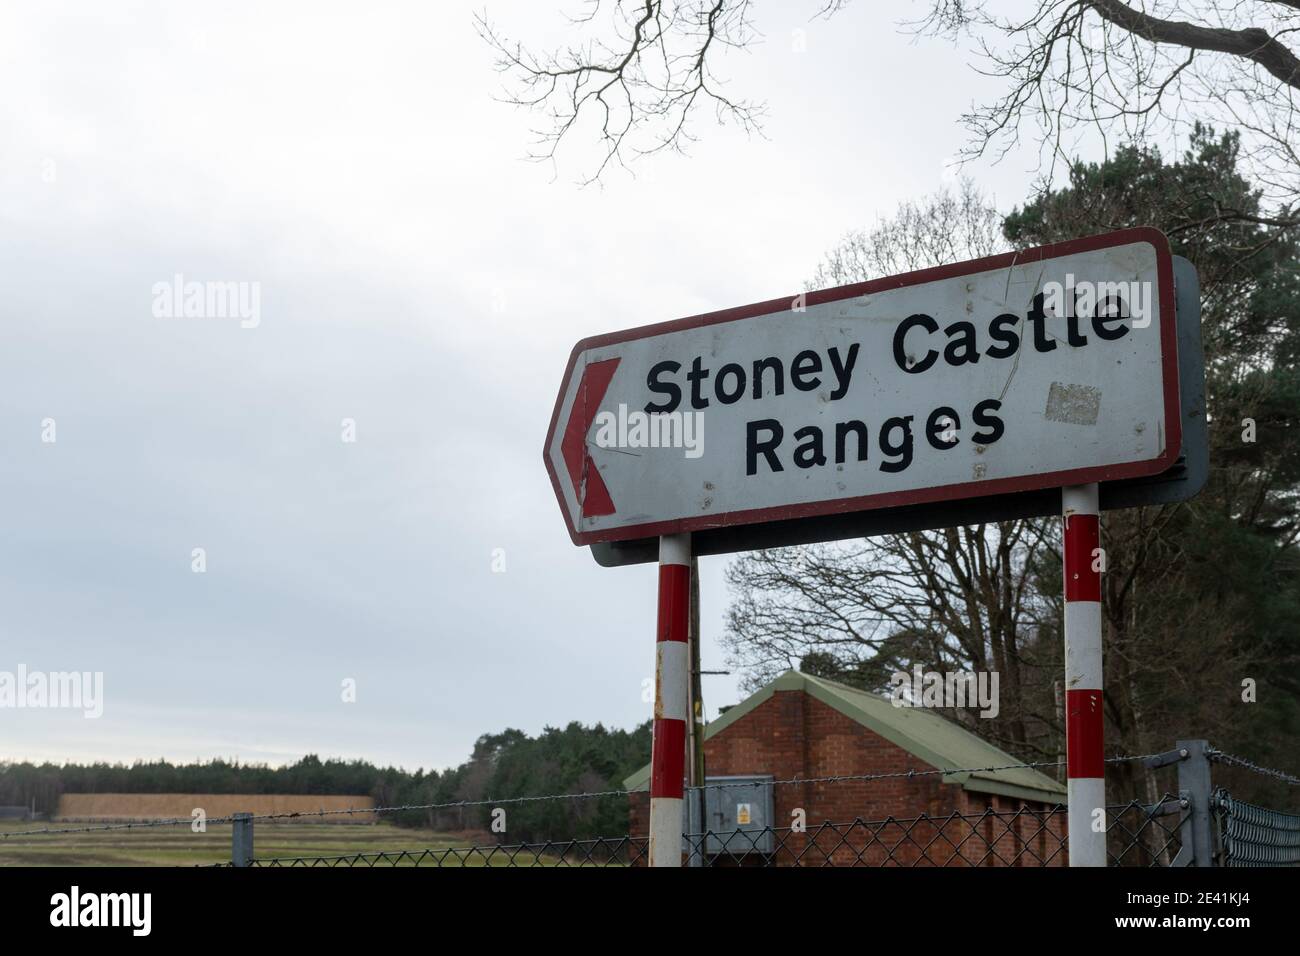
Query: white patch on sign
column 743, row 815
column 1073, row 404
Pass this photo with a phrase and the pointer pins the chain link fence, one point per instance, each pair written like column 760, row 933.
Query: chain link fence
column 1140, row 835
column 619, row 851
column 1191, row 825
column 1256, row 836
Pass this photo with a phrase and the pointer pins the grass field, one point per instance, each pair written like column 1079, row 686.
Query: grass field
column 177, row 846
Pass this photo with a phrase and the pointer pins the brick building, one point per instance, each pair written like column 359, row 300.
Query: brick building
column 806, row 727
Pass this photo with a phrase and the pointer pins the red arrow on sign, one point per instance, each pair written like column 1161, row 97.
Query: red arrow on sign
column 588, row 486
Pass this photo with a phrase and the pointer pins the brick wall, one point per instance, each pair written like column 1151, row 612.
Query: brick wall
column 793, row 734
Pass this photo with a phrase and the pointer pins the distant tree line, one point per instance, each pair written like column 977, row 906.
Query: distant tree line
column 575, row 759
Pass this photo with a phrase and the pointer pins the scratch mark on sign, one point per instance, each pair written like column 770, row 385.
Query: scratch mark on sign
column 621, row 451
column 1073, row 404
column 1020, row 326
column 1015, row 364
column 1011, row 267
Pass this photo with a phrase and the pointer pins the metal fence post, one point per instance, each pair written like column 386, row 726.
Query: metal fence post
column 1194, row 787
column 241, row 839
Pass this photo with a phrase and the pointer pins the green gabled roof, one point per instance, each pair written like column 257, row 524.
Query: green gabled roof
column 933, row 739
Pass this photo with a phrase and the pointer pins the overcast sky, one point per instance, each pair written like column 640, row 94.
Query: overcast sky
column 416, row 276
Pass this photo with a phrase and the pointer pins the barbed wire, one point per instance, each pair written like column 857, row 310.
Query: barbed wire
column 1234, row 761
column 291, row 814
column 586, row 795
column 137, row 824
column 907, row 774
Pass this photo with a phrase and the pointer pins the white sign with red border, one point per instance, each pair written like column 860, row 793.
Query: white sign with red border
column 1040, row 368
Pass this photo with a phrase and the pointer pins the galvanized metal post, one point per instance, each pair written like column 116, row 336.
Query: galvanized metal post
column 1194, row 787
column 672, row 682
column 1085, row 760
column 241, row 839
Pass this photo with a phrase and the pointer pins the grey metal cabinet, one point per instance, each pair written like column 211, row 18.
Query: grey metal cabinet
column 738, row 815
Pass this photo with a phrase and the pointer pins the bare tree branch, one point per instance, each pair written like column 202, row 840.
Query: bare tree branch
column 1134, row 71
column 1252, row 43
column 638, row 83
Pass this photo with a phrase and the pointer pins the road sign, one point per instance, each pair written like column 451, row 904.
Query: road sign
column 1180, row 482
column 1013, row 374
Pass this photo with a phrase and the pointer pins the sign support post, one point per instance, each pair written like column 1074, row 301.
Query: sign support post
column 1085, row 762
column 672, row 683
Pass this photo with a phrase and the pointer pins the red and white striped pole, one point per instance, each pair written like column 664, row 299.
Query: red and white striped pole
column 1085, row 760
column 672, row 685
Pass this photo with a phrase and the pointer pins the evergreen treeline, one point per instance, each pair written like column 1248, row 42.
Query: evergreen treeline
column 574, row 759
